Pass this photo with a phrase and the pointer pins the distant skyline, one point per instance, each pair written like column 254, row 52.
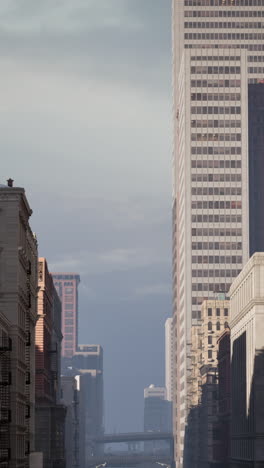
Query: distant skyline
column 86, row 128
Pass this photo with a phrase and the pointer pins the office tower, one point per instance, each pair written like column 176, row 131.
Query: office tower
column 50, row 413
column 74, row 396
column 88, row 362
column 247, row 365
column 169, row 348
column 157, row 410
column 18, row 306
column 67, row 289
column 218, row 47
column 70, row 399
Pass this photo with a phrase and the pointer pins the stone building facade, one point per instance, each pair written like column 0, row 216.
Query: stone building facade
column 247, row 365
column 202, row 380
column 18, row 304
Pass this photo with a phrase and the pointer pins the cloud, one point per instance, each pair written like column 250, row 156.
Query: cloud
column 111, row 40
column 85, row 128
column 154, row 290
column 109, row 261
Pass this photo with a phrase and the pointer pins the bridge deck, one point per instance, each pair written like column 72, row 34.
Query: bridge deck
column 133, row 437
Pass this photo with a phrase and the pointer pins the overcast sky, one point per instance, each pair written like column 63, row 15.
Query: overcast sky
column 85, row 116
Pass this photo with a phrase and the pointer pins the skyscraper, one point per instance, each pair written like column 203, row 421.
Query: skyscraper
column 66, row 285
column 169, row 358
column 218, row 49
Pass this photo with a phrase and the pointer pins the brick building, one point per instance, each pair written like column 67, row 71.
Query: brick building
column 18, row 305
column 67, row 288
column 50, row 413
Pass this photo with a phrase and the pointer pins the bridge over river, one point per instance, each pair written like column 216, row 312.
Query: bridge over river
column 131, row 459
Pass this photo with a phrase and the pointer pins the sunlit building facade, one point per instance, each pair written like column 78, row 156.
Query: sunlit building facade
column 218, row 49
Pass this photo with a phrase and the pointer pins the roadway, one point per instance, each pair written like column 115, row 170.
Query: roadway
column 126, row 460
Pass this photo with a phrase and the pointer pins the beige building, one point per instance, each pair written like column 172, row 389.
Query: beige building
column 18, row 303
column 247, row 365
column 218, row 49
column 202, row 382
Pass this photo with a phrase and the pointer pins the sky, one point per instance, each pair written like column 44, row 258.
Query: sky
column 85, row 119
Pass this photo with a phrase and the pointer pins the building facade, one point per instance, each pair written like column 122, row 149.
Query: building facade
column 169, row 349
column 72, row 430
column 157, row 410
column 18, row 304
column 67, row 288
column 218, row 49
column 247, row 365
column 5, row 395
column 202, row 383
column 88, row 363
column 256, row 165
column 50, row 413
column 222, row 445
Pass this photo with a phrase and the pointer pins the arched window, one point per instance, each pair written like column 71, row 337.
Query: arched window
column 218, row 326
column 210, row 326
column 226, row 325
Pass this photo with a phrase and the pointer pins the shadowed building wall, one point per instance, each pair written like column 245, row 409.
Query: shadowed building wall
column 247, row 370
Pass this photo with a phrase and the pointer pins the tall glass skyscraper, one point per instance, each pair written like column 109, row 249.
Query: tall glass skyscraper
column 218, row 50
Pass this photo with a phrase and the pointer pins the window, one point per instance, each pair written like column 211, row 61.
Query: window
column 226, row 325
column 68, row 322
column 210, row 354
column 210, row 326
column 68, row 290
column 226, row 312
column 218, row 312
column 209, row 312
column 68, row 306
column 210, row 339
column 218, row 326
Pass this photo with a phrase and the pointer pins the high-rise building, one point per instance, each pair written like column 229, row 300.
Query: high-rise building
column 18, row 305
column 218, row 49
column 70, row 398
column 157, row 417
column 169, row 349
column 67, row 289
column 50, row 413
column 88, row 362
column 247, row 365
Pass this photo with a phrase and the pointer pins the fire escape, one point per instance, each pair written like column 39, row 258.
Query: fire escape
column 5, row 408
